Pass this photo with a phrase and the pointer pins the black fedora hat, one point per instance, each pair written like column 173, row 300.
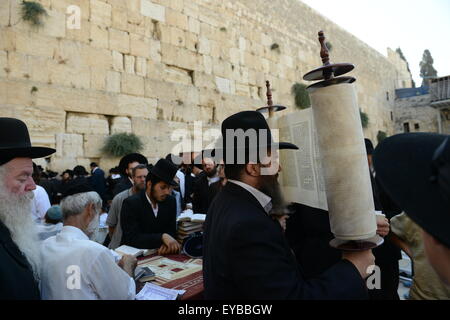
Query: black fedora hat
column 166, row 171
column 245, row 122
column 15, row 142
column 129, row 158
column 414, row 169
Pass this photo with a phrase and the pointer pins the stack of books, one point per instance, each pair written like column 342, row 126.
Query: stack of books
column 189, row 223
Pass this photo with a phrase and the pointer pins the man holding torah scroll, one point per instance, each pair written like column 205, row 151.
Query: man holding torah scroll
column 246, row 255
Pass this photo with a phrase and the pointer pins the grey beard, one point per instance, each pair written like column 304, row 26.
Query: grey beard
column 15, row 213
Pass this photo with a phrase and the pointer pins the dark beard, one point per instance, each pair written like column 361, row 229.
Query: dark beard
column 212, row 173
column 272, row 188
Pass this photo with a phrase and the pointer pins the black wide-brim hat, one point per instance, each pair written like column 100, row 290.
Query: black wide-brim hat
column 166, row 171
column 414, row 169
column 129, row 158
column 245, row 121
column 15, row 142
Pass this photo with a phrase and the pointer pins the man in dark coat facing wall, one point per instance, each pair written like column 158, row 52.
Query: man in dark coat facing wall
column 246, row 255
column 19, row 251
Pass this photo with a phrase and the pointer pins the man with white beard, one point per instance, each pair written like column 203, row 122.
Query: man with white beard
column 76, row 268
column 19, row 251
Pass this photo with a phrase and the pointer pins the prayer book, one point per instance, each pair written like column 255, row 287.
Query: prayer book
column 122, row 250
column 154, row 292
column 144, row 274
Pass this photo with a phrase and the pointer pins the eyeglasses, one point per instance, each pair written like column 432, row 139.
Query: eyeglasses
column 440, row 167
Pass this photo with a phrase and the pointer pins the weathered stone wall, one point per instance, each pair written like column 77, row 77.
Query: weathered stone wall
column 416, row 111
column 404, row 77
column 151, row 67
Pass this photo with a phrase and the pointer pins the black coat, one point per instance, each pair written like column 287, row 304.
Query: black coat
column 246, row 256
column 16, row 275
column 201, row 194
column 123, row 185
column 140, row 227
column 98, row 182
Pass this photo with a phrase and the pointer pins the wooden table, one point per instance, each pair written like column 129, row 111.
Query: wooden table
column 176, row 277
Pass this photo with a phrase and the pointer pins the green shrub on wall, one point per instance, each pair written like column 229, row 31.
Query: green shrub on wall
column 381, row 136
column 32, row 12
column 364, row 119
column 121, row 144
column 301, row 96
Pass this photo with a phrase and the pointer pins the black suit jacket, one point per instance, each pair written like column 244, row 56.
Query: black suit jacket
column 98, row 182
column 123, row 185
column 140, row 227
column 201, row 194
column 246, row 256
column 16, row 275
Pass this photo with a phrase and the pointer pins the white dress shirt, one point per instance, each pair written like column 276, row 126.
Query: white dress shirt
column 40, row 203
column 181, row 176
column 99, row 277
column 263, row 199
column 155, row 210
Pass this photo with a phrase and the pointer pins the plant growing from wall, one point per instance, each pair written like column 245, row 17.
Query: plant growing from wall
column 301, row 96
column 364, row 119
column 381, row 136
column 275, row 47
column 121, row 144
column 33, row 12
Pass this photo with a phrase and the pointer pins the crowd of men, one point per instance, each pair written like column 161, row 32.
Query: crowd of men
column 255, row 245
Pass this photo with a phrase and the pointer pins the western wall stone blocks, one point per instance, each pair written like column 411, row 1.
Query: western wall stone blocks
column 119, row 18
column 87, row 124
column 3, row 63
column 155, row 88
column 133, row 84
column 130, row 62
column 180, row 57
column 69, row 145
column 118, row 61
column 100, row 12
column 37, row 45
column 141, row 66
column 132, row 106
column 54, row 25
column 4, row 13
column 223, row 85
column 153, row 10
column 113, row 81
column 119, row 40
column 121, row 124
column 98, row 79
column 176, row 19
column 99, row 36
column 139, row 45
column 93, row 144
column 193, row 25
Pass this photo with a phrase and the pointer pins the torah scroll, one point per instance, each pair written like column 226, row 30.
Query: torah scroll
column 344, row 161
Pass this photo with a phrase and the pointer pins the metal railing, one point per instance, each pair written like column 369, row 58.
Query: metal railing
column 440, row 89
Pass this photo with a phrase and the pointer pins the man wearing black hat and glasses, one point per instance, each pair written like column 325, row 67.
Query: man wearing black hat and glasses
column 19, row 251
column 414, row 169
column 246, row 255
column 148, row 218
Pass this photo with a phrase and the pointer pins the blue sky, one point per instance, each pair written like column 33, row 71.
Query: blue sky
column 412, row 25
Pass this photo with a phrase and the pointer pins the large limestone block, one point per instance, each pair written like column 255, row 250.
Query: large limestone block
column 4, row 12
column 96, row 57
column 87, row 124
column 82, row 34
column 43, row 139
column 39, row 119
column 139, row 45
column 180, row 57
column 118, row 61
column 130, row 62
column 194, row 25
column 119, row 18
column 119, row 40
column 99, row 36
column 133, row 85
column 153, row 10
column 54, row 24
column 121, row 124
column 93, row 145
column 35, row 44
column 176, row 19
column 98, row 79
column 113, row 81
column 18, row 66
column 141, row 66
column 177, row 75
column 136, row 106
column 3, row 63
column 159, row 89
column 100, row 13
column 173, row 35
column 69, row 145
column 61, row 74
